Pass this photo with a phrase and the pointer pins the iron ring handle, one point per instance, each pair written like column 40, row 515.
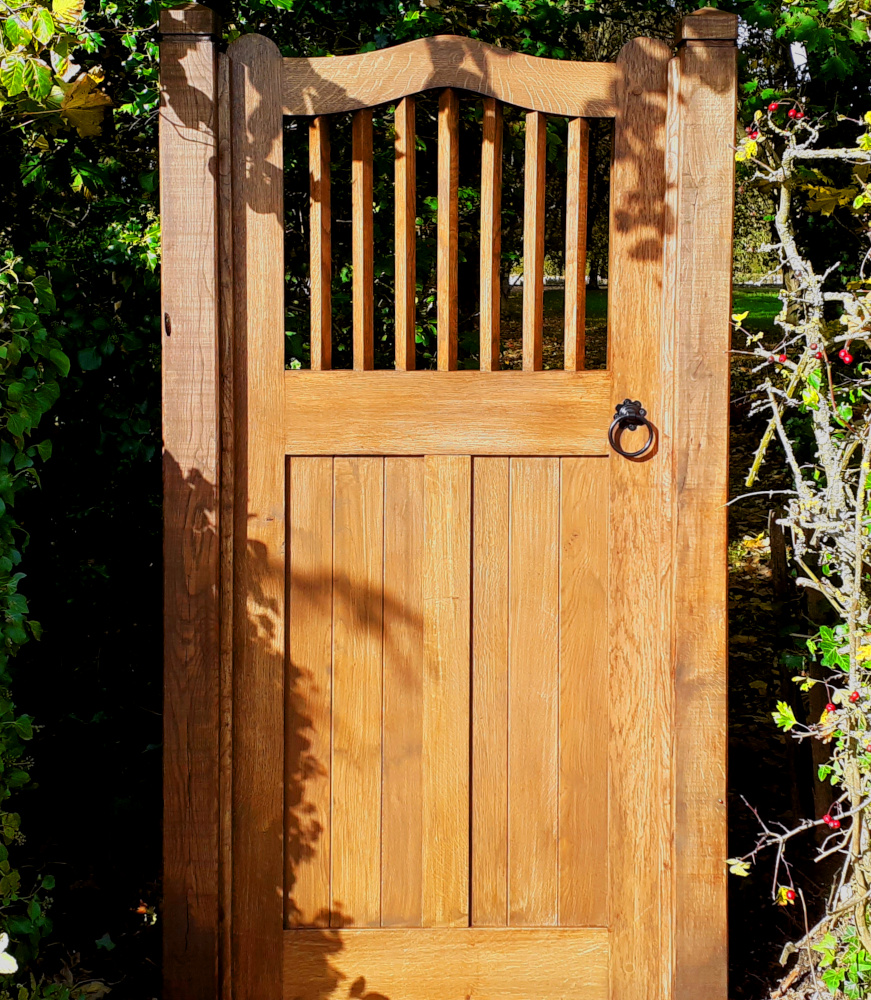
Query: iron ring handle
column 629, row 415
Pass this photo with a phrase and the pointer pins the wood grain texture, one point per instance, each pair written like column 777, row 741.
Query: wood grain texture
column 640, row 745
column 576, row 242
column 705, row 99
column 485, row 963
column 320, row 243
column 402, row 779
column 533, row 239
column 431, row 413
column 708, row 24
column 327, row 85
column 308, row 693
column 191, row 436
column 406, row 234
column 358, row 548
column 362, row 250
column 447, row 229
column 533, row 693
column 190, row 19
column 490, row 692
column 259, row 611
column 584, row 692
column 491, row 234
column 225, row 523
column 446, row 688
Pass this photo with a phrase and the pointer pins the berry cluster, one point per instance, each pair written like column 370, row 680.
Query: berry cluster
column 831, row 822
column 793, row 113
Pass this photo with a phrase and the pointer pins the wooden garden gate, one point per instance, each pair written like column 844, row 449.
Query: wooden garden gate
column 445, row 672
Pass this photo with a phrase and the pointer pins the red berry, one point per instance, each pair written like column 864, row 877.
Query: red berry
column 792, row 113
column 819, row 355
column 754, row 135
column 771, row 358
column 781, row 358
column 830, row 707
column 815, row 347
column 748, row 129
column 847, row 358
column 835, row 824
column 790, row 893
column 842, row 352
column 773, row 106
column 854, row 696
column 799, row 114
column 827, row 819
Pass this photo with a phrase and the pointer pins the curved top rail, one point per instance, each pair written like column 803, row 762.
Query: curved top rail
column 330, row 84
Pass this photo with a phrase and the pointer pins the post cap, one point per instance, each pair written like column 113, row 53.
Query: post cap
column 708, row 25
column 189, row 19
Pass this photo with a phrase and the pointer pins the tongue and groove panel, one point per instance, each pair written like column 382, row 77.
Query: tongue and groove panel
column 447, row 718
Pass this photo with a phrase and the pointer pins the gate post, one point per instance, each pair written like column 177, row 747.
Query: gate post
column 190, row 371
column 698, row 295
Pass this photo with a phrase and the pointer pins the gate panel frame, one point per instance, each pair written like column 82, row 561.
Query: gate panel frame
column 224, row 497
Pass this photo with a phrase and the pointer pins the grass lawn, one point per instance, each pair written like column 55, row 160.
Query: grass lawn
column 762, row 304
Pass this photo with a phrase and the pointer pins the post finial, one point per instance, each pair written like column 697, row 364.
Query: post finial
column 189, row 19
column 708, row 25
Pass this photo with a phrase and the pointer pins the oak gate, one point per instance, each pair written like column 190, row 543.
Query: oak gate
column 445, row 670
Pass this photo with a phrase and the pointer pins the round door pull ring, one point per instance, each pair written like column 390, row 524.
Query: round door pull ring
column 629, row 416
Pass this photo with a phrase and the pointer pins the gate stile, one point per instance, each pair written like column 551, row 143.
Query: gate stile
column 495, row 514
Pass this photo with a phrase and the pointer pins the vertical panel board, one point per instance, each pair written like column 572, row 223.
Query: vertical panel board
column 447, row 229
column 533, row 693
column 533, row 239
column 358, row 548
column 490, row 692
column 446, row 688
column 308, row 696
column 706, row 102
column 640, row 743
column 402, row 792
column 584, row 693
column 259, row 652
column 320, row 243
column 406, row 233
column 188, row 148
column 576, row 242
column 491, row 234
column 362, row 250
column 225, row 523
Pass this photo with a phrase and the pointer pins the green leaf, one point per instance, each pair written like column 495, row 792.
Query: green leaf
column 17, row 778
column 24, row 727
column 17, row 425
column 67, row 11
column 89, row 360
column 12, row 75
column 45, row 296
column 37, row 79
column 784, row 717
column 16, row 31
column 44, row 450
column 61, row 361
column 43, row 27
column 105, row 942
column 48, row 881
